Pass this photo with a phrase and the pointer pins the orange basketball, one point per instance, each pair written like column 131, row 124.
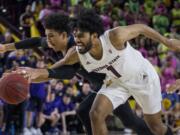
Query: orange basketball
column 14, row 88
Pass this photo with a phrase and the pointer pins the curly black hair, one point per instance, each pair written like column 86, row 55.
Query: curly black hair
column 90, row 21
column 72, row 23
column 58, row 22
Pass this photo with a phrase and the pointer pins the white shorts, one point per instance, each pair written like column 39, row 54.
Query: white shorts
column 147, row 94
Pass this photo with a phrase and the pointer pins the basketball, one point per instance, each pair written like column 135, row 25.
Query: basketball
column 14, row 88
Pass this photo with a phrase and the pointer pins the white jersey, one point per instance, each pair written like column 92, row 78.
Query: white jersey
column 128, row 73
column 118, row 64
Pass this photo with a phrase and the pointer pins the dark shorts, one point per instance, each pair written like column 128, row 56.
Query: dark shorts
column 35, row 104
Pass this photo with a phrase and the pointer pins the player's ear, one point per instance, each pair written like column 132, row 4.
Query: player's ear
column 64, row 34
column 94, row 36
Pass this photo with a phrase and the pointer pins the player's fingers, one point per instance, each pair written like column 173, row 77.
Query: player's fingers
column 28, row 77
column 18, row 72
column 21, row 71
column 5, row 74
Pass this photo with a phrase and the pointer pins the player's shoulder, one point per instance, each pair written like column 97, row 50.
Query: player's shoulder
column 115, row 30
column 115, row 35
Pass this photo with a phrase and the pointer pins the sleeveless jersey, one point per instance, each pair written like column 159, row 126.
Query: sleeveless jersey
column 123, row 65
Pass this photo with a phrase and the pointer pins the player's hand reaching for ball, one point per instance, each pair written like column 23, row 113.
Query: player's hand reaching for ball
column 7, row 72
column 33, row 75
column 27, row 72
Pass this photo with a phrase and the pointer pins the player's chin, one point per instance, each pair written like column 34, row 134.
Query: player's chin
column 56, row 49
column 82, row 51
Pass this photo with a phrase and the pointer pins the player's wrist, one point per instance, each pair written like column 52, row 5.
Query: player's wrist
column 42, row 73
column 169, row 44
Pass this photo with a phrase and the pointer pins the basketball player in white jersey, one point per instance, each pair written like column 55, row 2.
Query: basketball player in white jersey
column 128, row 72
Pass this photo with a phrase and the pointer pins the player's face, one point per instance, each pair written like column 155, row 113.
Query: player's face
column 57, row 41
column 83, row 41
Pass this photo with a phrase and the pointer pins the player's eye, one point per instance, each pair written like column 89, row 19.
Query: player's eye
column 80, row 35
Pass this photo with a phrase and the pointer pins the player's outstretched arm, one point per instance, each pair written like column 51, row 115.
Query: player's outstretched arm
column 23, row 44
column 125, row 33
column 37, row 75
column 33, row 74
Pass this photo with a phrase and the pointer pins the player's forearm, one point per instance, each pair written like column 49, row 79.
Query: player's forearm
column 58, row 64
column 39, row 80
column 64, row 72
column 24, row 44
column 29, row 43
column 173, row 44
column 42, row 76
column 152, row 34
column 71, row 57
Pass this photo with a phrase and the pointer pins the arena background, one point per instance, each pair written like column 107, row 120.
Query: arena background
column 20, row 19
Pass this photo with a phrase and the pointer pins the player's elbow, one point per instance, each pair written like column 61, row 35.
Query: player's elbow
column 142, row 28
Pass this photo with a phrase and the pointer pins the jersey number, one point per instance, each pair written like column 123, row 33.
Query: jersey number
column 111, row 68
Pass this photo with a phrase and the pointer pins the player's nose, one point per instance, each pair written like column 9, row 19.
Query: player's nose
column 76, row 39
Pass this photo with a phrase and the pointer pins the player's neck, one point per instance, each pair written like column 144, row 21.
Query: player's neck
column 97, row 50
column 64, row 49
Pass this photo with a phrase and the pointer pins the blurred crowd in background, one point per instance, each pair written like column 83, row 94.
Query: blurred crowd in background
column 51, row 106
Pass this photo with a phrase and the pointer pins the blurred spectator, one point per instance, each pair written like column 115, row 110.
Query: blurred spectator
column 168, row 73
column 8, row 38
column 107, row 22
column 1, row 116
column 176, row 114
column 67, row 110
column 16, row 59
column 14, row 118
column 86, row 90
column 50, row 115
column 149, row 7
column 72, row 86
column 160, row 19
column 127, row 14
column 35, row 104
column 44, row 12
column 176, row 14
column 134, row 6
column 26, row 21
column 55, row 3
column 174, row 32
column 173, row 98
column 142, row 48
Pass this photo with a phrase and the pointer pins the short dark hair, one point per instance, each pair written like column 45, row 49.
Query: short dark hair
column 90, row 21
column 58, row 22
